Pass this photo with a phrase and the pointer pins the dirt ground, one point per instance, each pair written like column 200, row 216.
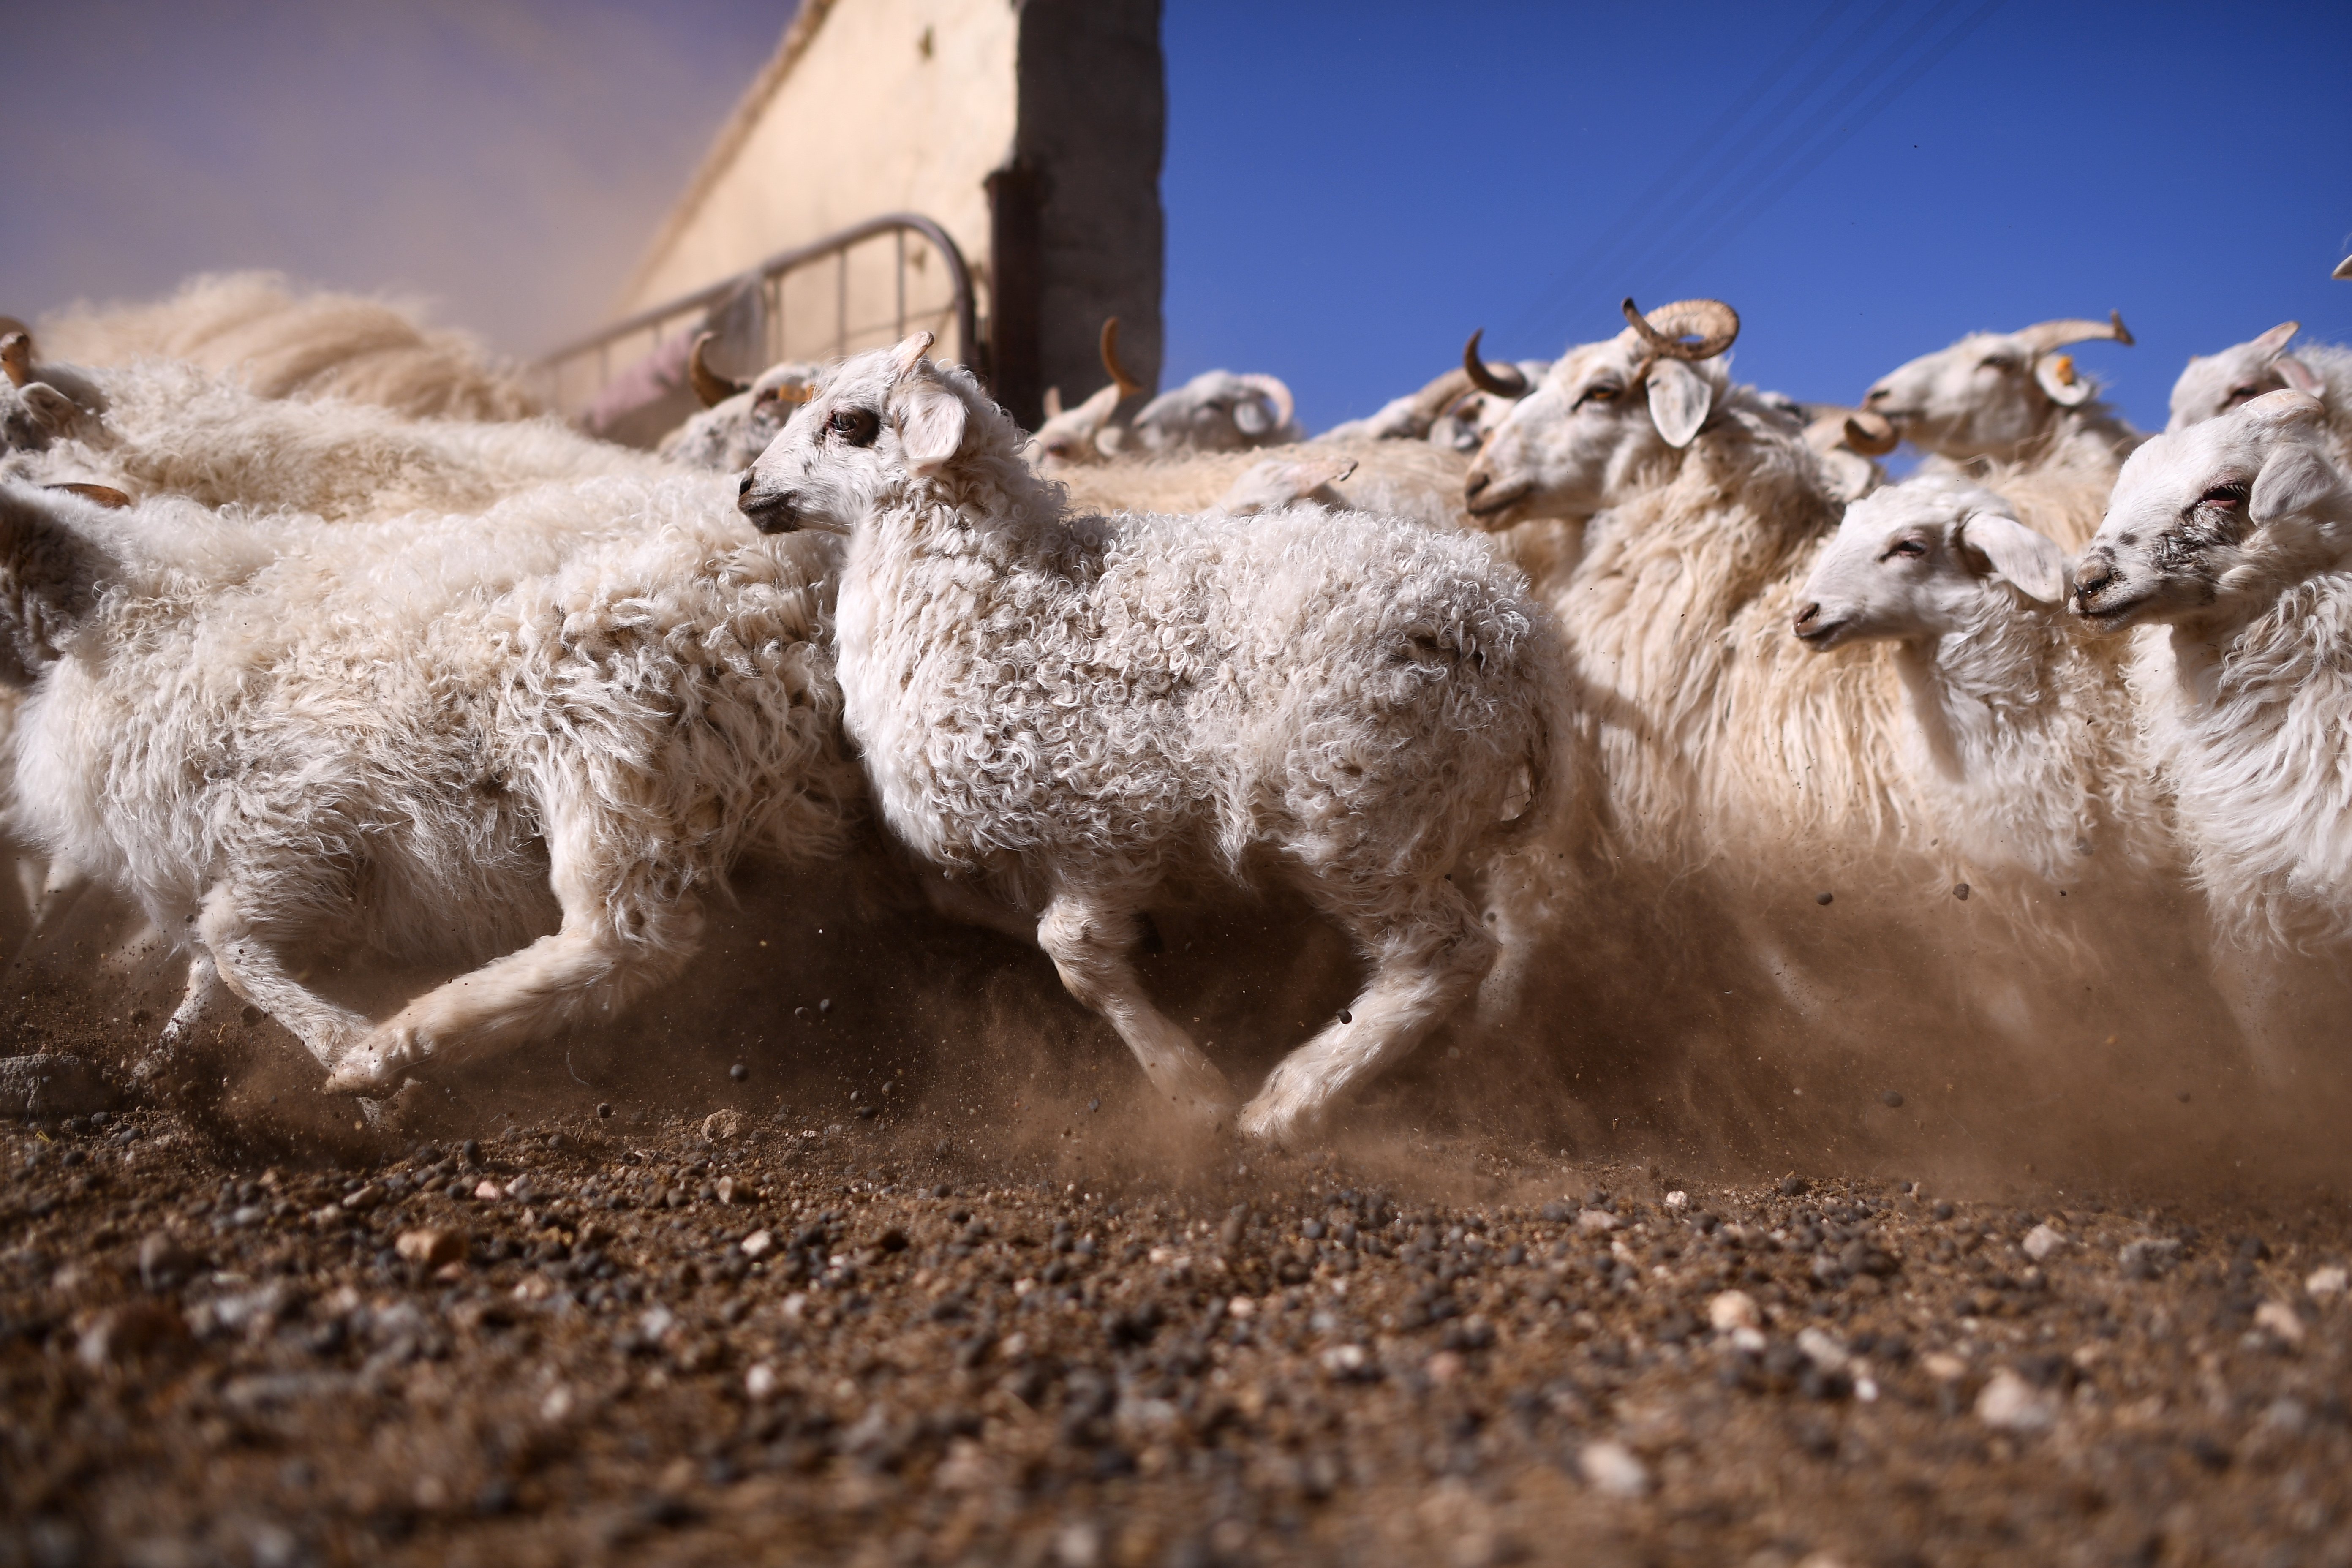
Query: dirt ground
column 738, row 1322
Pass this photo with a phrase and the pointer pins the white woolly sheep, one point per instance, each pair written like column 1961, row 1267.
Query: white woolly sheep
column 171, row 429
column 2212, row 385
column 2236, row 532
column 2009, row 397
column 738, row 418
column 424, row 737
column 1061, row 712
column 2019, row 748
column 288, row 343
column 1218, row 411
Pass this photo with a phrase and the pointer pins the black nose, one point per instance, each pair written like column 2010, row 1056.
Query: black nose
column 2091, row 579
column 770, row 511
column 1805, row 616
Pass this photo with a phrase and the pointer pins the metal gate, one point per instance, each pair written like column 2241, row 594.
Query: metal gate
column 803, row 319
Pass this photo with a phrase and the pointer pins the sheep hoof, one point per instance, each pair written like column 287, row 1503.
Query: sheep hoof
column 362, row 1073
column 1274, row 1123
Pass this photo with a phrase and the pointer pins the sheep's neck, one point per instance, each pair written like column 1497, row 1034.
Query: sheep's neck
column 1981, row 694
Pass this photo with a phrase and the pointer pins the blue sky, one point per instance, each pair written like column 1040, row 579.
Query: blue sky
column 1351, row 188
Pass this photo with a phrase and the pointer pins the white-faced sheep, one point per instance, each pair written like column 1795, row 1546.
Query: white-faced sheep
column 428, row 738
column 2237, row 534
column 283, row 342
column 1063, row 712
column 738, row 418
column 2212, row 385
column 2010, row 397
column 2020, row 751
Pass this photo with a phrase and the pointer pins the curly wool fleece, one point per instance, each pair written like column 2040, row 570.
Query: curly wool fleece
column 1067, row 711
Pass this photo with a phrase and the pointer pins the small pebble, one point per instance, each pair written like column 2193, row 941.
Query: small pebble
column 1611, row 1468
column 2041, row 1241
column 1794, row 1186
column 164, row 1263
column 1596, row 1220
column 431, row 1249
column 604, row 1110
column 1731, row 1309
column 739, row 1072
column 759, row 1243
column 1823, row 897
column 721, row 1126
column 1960, row 892
column 1891, row 1099
column 2010, row 1404
column 2280, row 1319
column 2327, row 1284
column 761, row 1380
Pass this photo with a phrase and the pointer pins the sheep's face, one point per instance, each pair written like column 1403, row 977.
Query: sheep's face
column 34, row 414
column 1217, row 411
column 729, row 435
column 1921, row 560
column 2215, row 383
column 1469, row 420
column 876, row 425
column 1574, row 445
column 2208, row 524
column 1077, row 435
column 1989, row 396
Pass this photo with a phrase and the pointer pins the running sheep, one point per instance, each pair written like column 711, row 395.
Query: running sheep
column 1062, row 712
column 432, row 737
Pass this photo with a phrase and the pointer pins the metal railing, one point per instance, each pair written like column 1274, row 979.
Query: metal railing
column 575, row 373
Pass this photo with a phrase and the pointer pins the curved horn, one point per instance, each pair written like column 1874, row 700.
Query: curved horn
column 104, row 495
column 2342, row 269
column 2044, row 336
column 17, row 357
column 1276, row 392
column 1503, row 381
column 11, row 324
column 1127, row 385
column 1432, row 401
column 1716, row 324
column 708, row 384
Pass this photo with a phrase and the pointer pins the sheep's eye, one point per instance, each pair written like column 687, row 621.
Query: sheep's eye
column 2240, row 393
column 1601, row 392
column 2224, row 496
column 1909, row 548
column 2002, row 365
column 855, row 426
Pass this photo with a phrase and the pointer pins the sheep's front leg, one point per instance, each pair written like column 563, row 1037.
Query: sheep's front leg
column 180, row 1028
column 1427, row 957
column 1089, row 940
column 246, row 960
column 624, row 930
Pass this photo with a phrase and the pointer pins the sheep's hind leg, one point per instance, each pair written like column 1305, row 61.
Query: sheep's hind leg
column 1426, row 959
column 615, row 944
column 1089, row 940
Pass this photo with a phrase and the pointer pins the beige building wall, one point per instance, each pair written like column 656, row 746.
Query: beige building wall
column 870, row 107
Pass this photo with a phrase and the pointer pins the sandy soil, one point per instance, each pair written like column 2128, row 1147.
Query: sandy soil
column 818, row 1326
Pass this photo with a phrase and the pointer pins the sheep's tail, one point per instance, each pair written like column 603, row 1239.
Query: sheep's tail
column 49, row 577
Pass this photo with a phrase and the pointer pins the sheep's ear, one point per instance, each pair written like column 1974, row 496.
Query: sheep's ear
column 909, row 353
column 50, row 407
column 930, row 426
column 1052, row 402
column 1679, row 400
column 2058, row 378
column 2272, row 342
column 2300, row 376
column 2295, row 480
column 2018, row 555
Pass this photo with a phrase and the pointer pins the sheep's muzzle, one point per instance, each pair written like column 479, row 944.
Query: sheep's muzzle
column 770, row 511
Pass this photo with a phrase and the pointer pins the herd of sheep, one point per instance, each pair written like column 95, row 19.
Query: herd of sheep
column 318, row 639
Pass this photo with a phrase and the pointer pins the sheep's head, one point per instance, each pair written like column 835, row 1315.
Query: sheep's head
column 1571, row 445
column 739, row 419
column 1218, row 411
column 1922, row 560
column 2210, row 523
column 1089, row 432
column 35, row 409
column 51, row 570
column 877, row 426
column 1471, row 418
column 1991, row 395
column 2215, row 383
